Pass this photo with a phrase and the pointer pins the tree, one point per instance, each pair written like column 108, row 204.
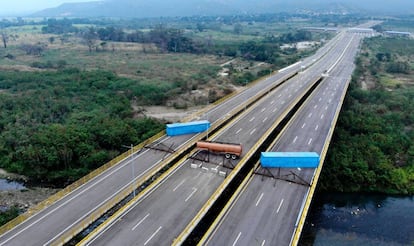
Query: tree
column 51, row 40
column 90, row 37
column 4, row 38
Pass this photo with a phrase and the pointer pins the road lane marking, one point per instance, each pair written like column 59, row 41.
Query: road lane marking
column 263, row 243
column 182, row 182
column 283, row 102
column 310, row 115
column 272, row 102
column 326, row 108
column 316, row 106
column 258, row 200
column 316, row 128
column 320, row 99
column 252, row 119
column 238, row 131
column 263, row 109
column 274, row 110
column 253, row 131
column 85, row 190
column 310, row 141
column 264, row 120
column 322, row 116
column 294, row 140
column 280, row 205
column 153, row 235
column 140, row 222
column 304, row 124
column 198, row 174
column 290, row 95
column 192, row 193
column 330, row 100
column 279, row 95
column 237, row 239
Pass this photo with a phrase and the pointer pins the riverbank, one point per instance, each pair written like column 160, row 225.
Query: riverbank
column 14, row 195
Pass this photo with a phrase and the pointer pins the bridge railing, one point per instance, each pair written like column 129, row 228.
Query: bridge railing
column 75, row 185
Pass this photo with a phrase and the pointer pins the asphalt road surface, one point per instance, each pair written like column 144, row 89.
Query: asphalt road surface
column 266, row 211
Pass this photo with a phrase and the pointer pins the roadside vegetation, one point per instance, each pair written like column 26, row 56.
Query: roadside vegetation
column 373, row 144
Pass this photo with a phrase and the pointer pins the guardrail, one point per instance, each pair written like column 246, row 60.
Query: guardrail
column 225, row 98
column 298, row 230
column 190, row 227
column 62, row 193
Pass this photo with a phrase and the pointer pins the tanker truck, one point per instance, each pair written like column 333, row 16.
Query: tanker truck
column 229, row 150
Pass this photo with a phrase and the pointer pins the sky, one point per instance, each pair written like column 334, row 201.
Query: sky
column 29, row 6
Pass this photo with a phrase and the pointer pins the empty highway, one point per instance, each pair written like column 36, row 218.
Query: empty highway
column 266, row 210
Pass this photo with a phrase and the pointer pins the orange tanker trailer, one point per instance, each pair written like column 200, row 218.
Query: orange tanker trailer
column 229, row 150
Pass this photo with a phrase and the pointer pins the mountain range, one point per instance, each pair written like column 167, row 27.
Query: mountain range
column 159, row 8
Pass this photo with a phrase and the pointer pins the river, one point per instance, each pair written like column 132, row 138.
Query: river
column 10, row 185
column 360, row 219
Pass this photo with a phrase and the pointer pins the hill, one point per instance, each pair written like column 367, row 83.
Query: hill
column 158, row 8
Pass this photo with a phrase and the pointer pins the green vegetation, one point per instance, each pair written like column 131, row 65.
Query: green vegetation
column 8, row 215
column 57, row 126
column 373, row 145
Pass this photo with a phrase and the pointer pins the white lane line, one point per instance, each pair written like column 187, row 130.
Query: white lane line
column 316, row 128
column 238, row 131
column 310, row 141
column 253, row 131
column 258, row 200
column 192, row 193
column 326, row 108
column 140, row 222
column 272, row 102
column 263, row 109
column 316, row 106
column 198, row 174
column 153, row 235
column 263, row 243
column 237, row 239
column 283, row 102
column 279, row 95
column 290, row 95
column 320, row 99
column 310, row 115
column 296, row 90
column 182, row 182
column 330, row 100
column 304, row 124
column 280, row 205
column 322, row 116
column 252, row 119
column 264, row 120
column 274, row 110
column 294, row 140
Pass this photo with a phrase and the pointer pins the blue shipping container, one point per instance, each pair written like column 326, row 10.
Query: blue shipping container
column 289, row 159
column 187, row 128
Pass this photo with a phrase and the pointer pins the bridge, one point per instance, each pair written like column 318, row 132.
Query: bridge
column 174, row 187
